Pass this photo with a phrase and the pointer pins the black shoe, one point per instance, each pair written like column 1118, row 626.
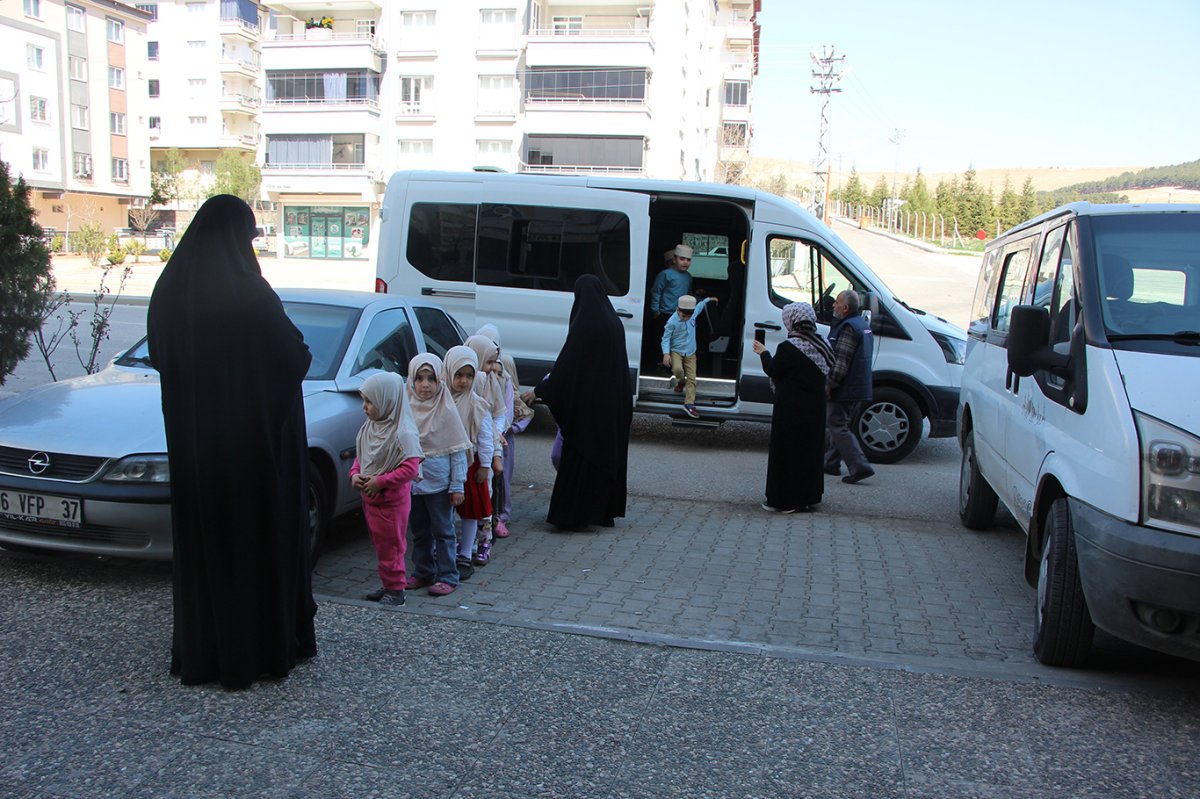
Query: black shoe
column 858, row 476
column 834, row 470
column 375, row 595
column 392, row 599
column 465, row 568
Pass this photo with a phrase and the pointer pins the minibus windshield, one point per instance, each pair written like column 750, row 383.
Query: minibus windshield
column 1149, row 275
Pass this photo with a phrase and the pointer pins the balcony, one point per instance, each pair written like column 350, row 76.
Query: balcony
column 327, row 178
column 239, row 29
column 609, row 46
column 234, row 103
column 240, row 66
column 321, row 48
column 238, row 141
column 349, row 115
column 738, row 26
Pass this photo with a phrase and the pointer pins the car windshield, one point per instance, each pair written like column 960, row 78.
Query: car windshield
column 1149, row 275
column 326, row 328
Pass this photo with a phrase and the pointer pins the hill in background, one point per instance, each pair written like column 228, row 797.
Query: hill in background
column 1044, row 179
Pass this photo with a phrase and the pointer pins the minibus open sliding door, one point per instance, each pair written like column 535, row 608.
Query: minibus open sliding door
column 534, row 240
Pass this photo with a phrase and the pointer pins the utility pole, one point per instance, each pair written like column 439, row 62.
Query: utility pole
column 826, row 74
column 897, row 138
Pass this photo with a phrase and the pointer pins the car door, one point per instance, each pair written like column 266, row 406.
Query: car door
column 533, row 242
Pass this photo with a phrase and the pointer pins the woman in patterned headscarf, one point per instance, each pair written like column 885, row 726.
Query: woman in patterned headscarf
column 795, row 475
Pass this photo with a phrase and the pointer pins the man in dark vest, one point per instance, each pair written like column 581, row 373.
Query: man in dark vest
column 848, row 385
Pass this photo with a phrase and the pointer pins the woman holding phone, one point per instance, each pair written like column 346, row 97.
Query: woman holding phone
column 795, row 475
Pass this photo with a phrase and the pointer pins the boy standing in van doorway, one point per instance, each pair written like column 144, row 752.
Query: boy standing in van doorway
column 672, row 282
column 848, row 385
column 679, row 349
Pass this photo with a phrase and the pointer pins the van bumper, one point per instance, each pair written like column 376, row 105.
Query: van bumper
column 1141, row 584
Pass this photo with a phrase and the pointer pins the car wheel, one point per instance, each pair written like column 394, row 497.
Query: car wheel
column 1064, row 628
column 318, row 512
column 888, row 427
column 976, row 499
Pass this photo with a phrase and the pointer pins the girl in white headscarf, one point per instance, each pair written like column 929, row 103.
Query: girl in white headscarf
column 518, row 415
column 389, row 457
column 462, row 366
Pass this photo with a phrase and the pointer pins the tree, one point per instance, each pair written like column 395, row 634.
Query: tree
column 880, row 193
column 1027, row 206
column 854, row 193
column 164, row 180
column 975, row 210
column 917, row 197
column 26, row 281
column 237, row 176
column 1009, row 208
column 141, row 218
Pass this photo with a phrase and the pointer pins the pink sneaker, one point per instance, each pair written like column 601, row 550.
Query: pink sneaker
column 441, row 588
column 501, row 530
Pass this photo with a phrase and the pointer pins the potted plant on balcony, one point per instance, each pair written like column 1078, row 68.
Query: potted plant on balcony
column 318, row 27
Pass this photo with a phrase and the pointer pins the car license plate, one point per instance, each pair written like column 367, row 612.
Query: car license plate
column 41, row 508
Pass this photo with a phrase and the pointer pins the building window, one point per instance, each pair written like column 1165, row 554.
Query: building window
column 493, row 147
column 737, row 93
column 208, row 167
column 152, row 85
column 41, row 160
column 196, row 83
column 733, row 134
column 584, row 153
column 496, row 94
column 498, row 16
column 199, row 120
column 414, row 94
column 33, row 8
column 75, row 18
column 343, row 86
column 116, row 123
column 364, row 27
column 197, row 44
column 82, row 164
column 195, row 8
column 78, row 67
column 34, row 56
column 116, row 31
column 155, row 123
column 120, row 170
column 38, row 110
column 566, row 26
column 555, row 85
column 416, row 30
column 116, row 78
column 152, row 51
column 79, row 117
column 149, row 8
column 415, row 152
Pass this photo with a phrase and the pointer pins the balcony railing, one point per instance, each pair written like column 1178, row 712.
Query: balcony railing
column 325, row 35
column 321, row 102
column 238, row 22
column 581, row 169
column 595, row 33
column 564, row 98
column 311, row 167
column 416, row 108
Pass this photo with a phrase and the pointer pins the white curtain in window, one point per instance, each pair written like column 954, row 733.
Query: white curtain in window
column 335, row 86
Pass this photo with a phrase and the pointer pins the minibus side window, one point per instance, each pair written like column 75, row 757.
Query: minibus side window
column 1016, row 264
column 441, row 240
column 1043, row 287
column 985, row 292
column 540, row 247
column 793, row 272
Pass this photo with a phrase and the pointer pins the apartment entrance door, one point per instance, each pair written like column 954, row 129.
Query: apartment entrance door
column 326, row 232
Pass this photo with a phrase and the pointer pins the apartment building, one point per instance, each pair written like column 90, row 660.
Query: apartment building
column 356, row 89
column 73, row 119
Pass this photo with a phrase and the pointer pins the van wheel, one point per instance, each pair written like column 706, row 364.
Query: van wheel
column 889, row 426
column 1064, row 628
column 318, row 513
column 976, row 499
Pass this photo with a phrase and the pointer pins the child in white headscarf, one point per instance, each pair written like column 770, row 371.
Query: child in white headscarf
column 462, row 366
column 517, row 415
column 389, row 457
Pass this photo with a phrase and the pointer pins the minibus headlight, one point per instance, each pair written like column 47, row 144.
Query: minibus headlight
column 1170, row 474
column 954, row 350
column 139, row 469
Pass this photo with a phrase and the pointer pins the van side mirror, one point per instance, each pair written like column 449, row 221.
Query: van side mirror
column 1028, row 350
column 870, row 306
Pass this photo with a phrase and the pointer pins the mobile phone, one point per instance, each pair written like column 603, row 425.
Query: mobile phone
column 760, row 336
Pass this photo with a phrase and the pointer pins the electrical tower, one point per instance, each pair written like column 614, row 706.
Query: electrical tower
column 826, row 74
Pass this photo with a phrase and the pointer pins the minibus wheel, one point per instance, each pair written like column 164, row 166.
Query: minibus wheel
column 976, row 499
column 1063, row 627
column 889, row 425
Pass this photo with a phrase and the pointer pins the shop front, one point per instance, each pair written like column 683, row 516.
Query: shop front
column 335, row 232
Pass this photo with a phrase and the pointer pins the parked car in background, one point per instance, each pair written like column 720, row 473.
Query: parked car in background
column 83, row 463
column 1078, row 412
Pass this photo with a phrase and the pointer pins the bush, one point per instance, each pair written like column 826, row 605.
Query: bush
column 57, row 243
column 26, row 280
column 164, row 254
column 89, row 240
column 116, row 253
column 136, row 249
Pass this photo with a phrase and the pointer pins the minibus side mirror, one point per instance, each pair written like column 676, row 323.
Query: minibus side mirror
column 870, row 306
column 1028, row 351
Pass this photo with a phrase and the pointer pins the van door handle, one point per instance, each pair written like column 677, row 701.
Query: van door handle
column 459, row 294
column 625, row 314
column 767, row 326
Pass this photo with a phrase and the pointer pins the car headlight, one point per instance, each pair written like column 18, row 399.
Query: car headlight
column 139, row 469
column 954, row 350
column 1170, row 475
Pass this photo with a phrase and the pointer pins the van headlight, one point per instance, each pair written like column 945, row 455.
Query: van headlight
column 139, row 469
column 954, row 350
column 1170, row 475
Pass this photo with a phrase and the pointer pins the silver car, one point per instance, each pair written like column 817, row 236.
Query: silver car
column 83, row 464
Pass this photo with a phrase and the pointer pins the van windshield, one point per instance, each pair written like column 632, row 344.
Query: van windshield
column 1149, row 275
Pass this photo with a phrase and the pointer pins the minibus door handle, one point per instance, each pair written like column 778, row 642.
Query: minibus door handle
column 767, row 326
column 624, row 314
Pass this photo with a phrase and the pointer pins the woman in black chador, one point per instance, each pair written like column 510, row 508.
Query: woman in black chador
column 795, row 474
column 231, row 364
column 589, row 393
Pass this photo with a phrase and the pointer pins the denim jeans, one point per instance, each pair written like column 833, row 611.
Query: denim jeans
column 433, row 544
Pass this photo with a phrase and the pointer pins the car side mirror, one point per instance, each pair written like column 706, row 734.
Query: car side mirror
column 1028, row 350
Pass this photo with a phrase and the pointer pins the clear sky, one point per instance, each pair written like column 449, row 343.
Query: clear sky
column 1057, row 83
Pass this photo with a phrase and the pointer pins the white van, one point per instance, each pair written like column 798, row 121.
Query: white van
column 1079, row 413
column 506, row 249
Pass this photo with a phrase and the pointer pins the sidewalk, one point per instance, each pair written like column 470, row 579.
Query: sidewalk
column 74, row 274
